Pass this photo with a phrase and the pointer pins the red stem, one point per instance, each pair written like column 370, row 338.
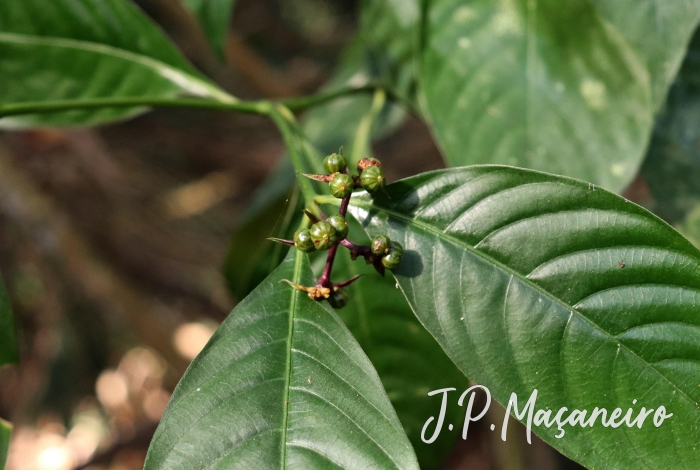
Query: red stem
column 325, row 279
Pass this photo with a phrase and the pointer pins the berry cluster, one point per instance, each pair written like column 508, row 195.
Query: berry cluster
column 327, row 233
column 370, row 176
column 322, row 235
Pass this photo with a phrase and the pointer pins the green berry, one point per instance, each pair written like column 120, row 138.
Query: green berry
column 323, row 235
column 338, row 298
column 342, row 185
column 372, row 179
column 380, row 245
column 340, row 225
column 334, row 163
column 303, row 241
column 393, row 259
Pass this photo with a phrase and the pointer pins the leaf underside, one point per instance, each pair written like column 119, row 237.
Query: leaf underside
column 282, row 384
column 532, row 281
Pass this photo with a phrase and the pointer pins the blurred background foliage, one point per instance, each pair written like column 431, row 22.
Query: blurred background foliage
column 112, row 239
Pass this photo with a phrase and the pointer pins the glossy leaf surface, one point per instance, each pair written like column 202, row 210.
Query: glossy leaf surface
column 532, row 281
column 86, row 50
column 409, row 361
column 214, row 17
column 570, row 88
column 282, row 384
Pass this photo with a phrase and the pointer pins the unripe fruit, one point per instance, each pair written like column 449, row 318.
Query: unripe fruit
column 303, row 241
column 334, row 163
column 340, row 225
column 338, row 298
column 393, row 259
column 380, row 245
column 372, row 179
column 323, row 235
column 342, row 185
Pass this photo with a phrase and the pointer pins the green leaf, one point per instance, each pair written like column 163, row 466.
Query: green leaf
column 659, row 32
column 409, row 361
column 566, row 87
column 5, row 432
column 281, row 384
column 533, row 281
column 8, row 355
column 214, row 17
column 88, row 52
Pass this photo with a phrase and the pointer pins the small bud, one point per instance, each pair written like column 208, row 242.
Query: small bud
column 342, row 186
column 303, row 241
column 380, row 245
column 366, row 163
column 373, row 179
column 393, row 259
column 321, row 178
column 334, row 163
column 340, row 225
column 338, row 298
column 323, row 235
column 315, row 292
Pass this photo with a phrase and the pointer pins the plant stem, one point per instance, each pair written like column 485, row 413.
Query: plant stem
column 43, row 107
column 232, row 104
column 325, row 279
column 305, row 102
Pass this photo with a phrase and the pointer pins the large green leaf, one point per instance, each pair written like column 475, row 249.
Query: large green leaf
column 658, row 30
column 214, row 17
column 409, row 361
column 532, row 281
column 566, row 87
column 282, row 384
column 87, row 51
column 8, row 355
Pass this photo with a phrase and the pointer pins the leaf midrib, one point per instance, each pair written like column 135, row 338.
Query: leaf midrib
column 288, row 367
column 512, row 272
column 158, row 66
